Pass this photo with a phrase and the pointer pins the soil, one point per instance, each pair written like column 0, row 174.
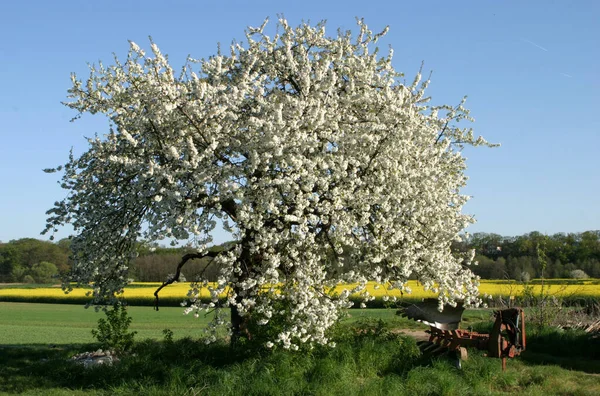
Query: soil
column 418, row 335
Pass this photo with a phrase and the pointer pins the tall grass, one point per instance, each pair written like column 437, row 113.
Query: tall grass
column 368, row 360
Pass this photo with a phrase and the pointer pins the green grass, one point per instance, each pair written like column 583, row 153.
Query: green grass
column 375, row 362
column 26, row 285
column 25, row 323
column 30, row 323
column 361, row 364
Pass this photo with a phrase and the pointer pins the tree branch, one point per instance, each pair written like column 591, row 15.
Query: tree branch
column 229, row 206
column 442, row 132
column 184, row 259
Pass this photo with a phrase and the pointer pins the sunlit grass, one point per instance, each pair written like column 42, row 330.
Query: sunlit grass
column 362, row 363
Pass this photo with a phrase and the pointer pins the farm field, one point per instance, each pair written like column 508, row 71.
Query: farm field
column 30, row 323
column 143, row 293
column 37, row 339
column 59, row 324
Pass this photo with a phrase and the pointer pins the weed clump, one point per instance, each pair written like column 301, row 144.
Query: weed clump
column 113, row 332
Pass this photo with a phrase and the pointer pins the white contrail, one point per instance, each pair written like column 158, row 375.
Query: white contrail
column 567, row 75
column 534, row 44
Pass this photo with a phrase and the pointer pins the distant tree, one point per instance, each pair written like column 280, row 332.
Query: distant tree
column 578, row 274
column 490, row 269
column 558, row 269
column 526, row 265
column 589, row 246
column 10, row 261
column 302, row 144
column 18, row 274
column 566, row 247
column 18, row 257
column 499, row 269
column 482, row 269
column 65, row 245
column 32, row 251
column 489, row 245
column 44, row 272
column 593, row 268
column 569, row 267
column 156, row 263
column 512, row 268
column 577, row 250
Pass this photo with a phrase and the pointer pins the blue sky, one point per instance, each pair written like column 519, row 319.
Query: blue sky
column 531, row 70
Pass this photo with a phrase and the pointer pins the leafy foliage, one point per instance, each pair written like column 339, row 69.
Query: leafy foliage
column 40, row 260
column 44, row 272
column 113, row 332
column 502, row 257
column 579, row 274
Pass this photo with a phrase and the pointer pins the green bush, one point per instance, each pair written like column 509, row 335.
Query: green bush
column 44, row 272
column 28, row 279
column 113, row 332
column 578, row 274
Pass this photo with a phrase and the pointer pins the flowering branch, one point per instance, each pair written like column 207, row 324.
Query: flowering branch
column 312, row 150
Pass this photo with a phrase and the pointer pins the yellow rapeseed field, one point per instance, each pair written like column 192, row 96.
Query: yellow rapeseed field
column 145, row 291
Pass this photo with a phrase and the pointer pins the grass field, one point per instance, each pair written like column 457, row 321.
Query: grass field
column 24, row 323
column 61, row 324
column 37, row 339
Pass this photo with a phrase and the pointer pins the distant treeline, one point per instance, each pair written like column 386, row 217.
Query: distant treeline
column 524, row 257
column 31, row 260
column 535, row 255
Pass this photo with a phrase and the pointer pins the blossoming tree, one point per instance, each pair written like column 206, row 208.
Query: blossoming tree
column 311, row 149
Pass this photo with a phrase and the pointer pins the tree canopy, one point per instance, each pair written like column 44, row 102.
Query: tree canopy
column 305, row 146
column 28, row 257
column 502, row 257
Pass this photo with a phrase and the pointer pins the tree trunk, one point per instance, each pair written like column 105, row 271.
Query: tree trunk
column 239, row 323
column 238, row 326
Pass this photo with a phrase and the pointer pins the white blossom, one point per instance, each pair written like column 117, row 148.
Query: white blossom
column 311, row 149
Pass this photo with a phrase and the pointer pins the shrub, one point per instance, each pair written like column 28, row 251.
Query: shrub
column 578, row 274
column 112, row 331
column 44, row 272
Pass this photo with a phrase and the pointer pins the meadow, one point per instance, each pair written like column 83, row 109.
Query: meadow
column 372, row 357
column 376, row 353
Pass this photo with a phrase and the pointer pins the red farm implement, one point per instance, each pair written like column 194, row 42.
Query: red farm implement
column 505, row 340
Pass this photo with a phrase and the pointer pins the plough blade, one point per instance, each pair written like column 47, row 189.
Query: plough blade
column 427, row 312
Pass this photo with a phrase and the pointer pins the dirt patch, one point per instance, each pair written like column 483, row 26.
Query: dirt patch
column 418, row 335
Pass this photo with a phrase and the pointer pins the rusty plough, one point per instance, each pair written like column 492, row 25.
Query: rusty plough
column 506, row 340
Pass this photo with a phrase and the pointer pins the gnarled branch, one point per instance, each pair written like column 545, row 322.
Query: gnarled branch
column 184, row 259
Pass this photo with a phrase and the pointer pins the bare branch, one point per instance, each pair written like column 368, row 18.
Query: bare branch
column 184, row 260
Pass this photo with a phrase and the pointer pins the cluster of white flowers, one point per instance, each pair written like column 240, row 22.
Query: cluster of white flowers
column 328, row 168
